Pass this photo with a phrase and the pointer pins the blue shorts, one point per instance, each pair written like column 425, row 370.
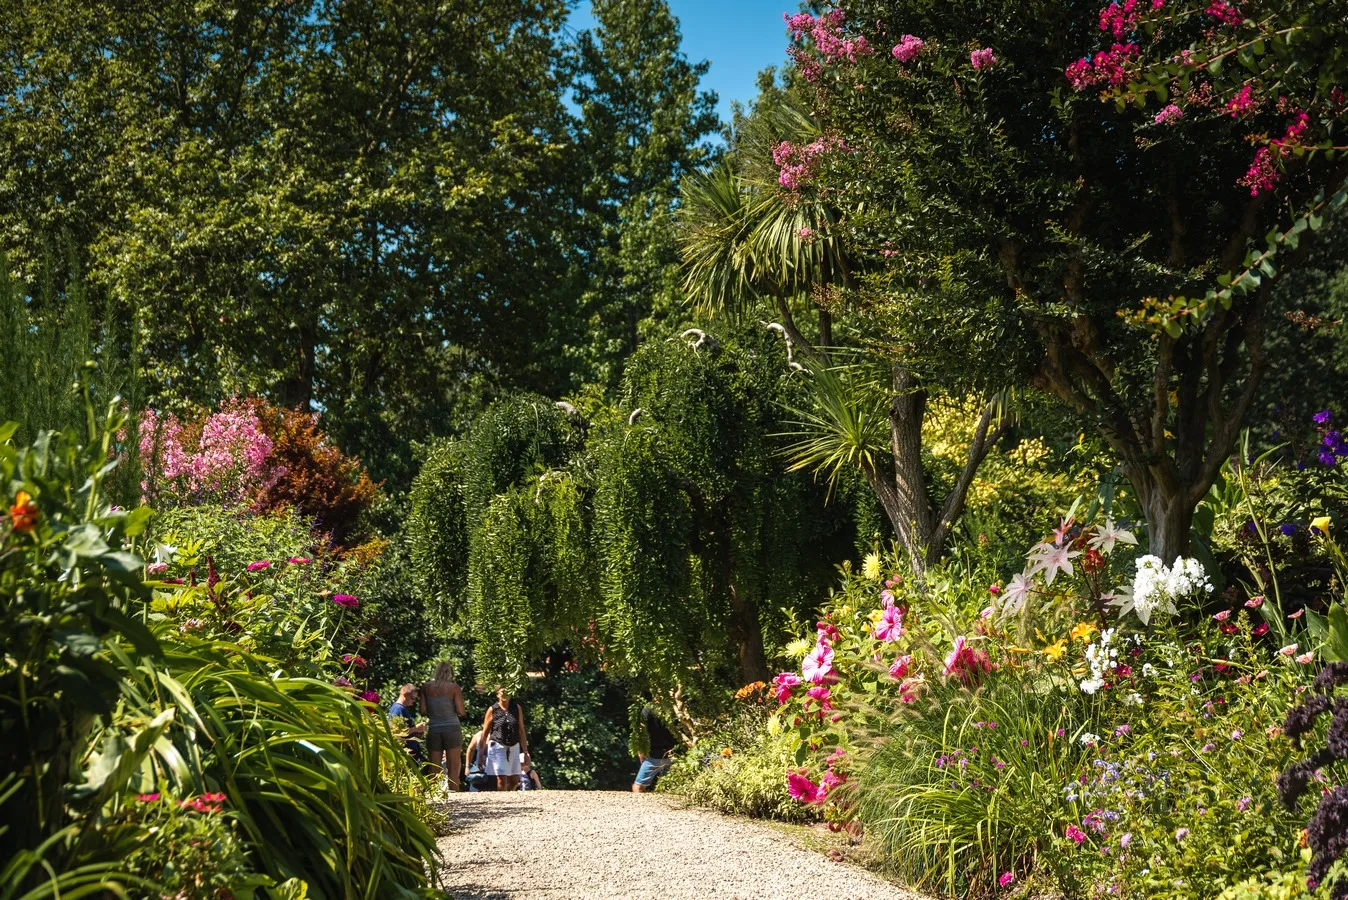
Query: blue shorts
column 651, row 769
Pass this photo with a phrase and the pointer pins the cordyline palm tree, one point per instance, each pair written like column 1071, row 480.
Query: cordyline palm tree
column 749, row 247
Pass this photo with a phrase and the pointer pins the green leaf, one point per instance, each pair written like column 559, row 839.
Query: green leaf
column 7, row 431
column 1336, row 643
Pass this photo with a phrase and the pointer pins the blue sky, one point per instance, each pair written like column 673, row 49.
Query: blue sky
column 738, row 37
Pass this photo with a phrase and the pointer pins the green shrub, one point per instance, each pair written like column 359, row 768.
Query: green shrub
column 578, row 731
column 739, row 768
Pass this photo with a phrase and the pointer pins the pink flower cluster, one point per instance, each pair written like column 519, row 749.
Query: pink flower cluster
column 782, row 685
column 801, row 788
column 1243, row 103
column 797, row 164
column 1263, row 174
column 206, row 803
column 1225, row 13
column 826, row 31
column 1105, row 66
column 1170, row 115
column 229, row 460
column 908, row 47
column 1120, row 18
column 982, row 59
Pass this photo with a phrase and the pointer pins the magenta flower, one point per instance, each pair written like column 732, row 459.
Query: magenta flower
column 1254, row 603
column 802, row 788
column 966, row 663
column 890, row 626
column 147, row 798
column 370, row 696
column 818, row 664
column 1005, row 879
column 783, row 684
column 1224, row 12
column 259, row 566
column 299, row 560
column 358, row 661
column 899, row 669
column 1260, row 630
column 1076, row 834
column 346, row 601
column 907, row 49
column 983, row 59
column 156, row 568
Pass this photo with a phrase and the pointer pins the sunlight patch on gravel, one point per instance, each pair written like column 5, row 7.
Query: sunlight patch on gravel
column 568, row 845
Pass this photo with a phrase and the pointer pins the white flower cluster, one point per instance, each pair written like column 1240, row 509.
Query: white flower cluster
column 1156, row 587
column 1102, row 659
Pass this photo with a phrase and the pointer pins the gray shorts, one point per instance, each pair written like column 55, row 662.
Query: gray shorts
column 445, row 739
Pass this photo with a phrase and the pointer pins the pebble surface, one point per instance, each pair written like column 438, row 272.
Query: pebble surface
column 569, row 845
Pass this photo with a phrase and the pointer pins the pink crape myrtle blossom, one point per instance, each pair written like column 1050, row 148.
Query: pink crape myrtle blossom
column 1263, row 174
column 818, row 664
column 796, row 164
column 1243, row 103
column 1105, row 66
column 826, row 32
column 782, row 685
column 1169, row 115
column 1225, row 13
column 908, row 47
column 890, row 626
column 982, row 59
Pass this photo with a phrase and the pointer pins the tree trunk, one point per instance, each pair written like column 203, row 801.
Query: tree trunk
column 1169, row 514
column 745, row 628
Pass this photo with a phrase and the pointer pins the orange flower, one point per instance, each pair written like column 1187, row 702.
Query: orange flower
column 23, row 514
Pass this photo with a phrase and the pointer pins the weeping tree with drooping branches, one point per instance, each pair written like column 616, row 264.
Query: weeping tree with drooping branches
column 1106, row 228
column 659, row 535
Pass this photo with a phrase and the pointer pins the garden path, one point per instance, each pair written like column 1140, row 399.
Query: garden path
column 578, row 845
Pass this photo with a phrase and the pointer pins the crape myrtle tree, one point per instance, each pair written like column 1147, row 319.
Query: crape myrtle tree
column 1106, row 228
column 758, row 241
column 659, row 536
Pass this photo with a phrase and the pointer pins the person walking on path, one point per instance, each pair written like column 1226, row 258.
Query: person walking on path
column 442, row 704
column 660, row 744
column 506, row 740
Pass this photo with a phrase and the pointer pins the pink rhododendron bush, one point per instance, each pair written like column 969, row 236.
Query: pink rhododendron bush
column 1100, row 723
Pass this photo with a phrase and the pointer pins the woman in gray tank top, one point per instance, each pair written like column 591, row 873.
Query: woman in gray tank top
column 442, row 704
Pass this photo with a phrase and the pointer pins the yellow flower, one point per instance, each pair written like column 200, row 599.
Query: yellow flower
column 1321, row 524
column 1055, row 650
column 1082, row 631
column 870, row 568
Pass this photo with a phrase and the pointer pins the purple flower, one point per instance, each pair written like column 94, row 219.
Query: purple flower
column 1181, row 833
column 1243, row 804
column 1288, row 530
column 345, row 601
column 1122, row 730
column 1323, row 417
column 1126, row 840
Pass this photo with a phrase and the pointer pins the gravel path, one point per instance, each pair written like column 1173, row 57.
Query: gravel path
column 569, row 845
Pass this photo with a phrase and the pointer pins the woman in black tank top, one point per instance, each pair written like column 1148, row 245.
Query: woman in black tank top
column 507, row 741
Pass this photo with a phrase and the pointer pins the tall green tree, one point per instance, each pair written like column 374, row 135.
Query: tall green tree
column 355, row 205
column 643, row 125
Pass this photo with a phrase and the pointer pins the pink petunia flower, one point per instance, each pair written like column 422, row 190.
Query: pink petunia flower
column 818, row 664
column 802, row 788
column 890, row 626
column 783, row 684
column 899, row 670
column 156, row 568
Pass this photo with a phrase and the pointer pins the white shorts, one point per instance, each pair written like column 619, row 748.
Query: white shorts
column 503, row 760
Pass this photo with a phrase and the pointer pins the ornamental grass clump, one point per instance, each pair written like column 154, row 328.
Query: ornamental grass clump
column 1327, row 831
